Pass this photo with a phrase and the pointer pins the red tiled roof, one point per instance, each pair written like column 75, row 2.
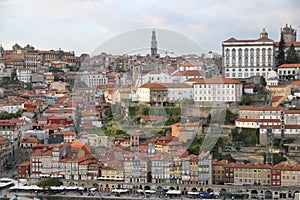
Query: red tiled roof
column 176, row 85
column 24, row 164
column 214, row 81
column 257, row 108
column 256, row 120
column 154, row 86
column 279, row 127
column 263, row 39
column 29, row 140
column 187, row 64
column 276, row 98
column 153, row 72
column 291, row 112
column 189, row 73
column 296, row 65
column 295, row 83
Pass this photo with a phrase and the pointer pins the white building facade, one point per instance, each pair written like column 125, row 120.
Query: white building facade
column 24, row 75
column 93, row 80
column 179, row 91
column 156, row 77
column 246, row 58
column 217, row 90
column 287, row 71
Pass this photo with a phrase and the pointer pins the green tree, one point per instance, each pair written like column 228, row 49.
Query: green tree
column 48, row 182
column 246, row 100
column 281, row 53
column 19, row 113
column 56, row 77
column 292, row 55
column 230, row 117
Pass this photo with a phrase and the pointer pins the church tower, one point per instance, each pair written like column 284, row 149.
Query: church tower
column 1, row 54
column 289, row 34
column 153, row 45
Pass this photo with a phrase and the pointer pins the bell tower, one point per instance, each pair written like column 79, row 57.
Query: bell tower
column 153, row 45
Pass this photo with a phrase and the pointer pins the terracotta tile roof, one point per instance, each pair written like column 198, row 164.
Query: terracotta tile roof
column 154, row 86
column 24, row 164
column 193, row 158
column 258, row 108
column 295, row 83
column 29, row 140
column 220, row 162
column 257, row 120
column 263, row 39
column 3, row 138
column 176, row 85
column 276, row 98
column 279, row 127
column 188, row 64
column 249, row 165
column 296, row 65
column 291, row 111
column 153, row 72
column 214, row 81
column 189, row 73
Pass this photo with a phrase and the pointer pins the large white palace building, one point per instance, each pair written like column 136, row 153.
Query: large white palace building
column 246, row 58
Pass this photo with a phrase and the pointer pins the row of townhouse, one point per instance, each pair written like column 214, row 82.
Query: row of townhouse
column 163, row 168
column 283, row 123
column 6, row 153
column 61, row 160
column 198, row 89
column 259, row 174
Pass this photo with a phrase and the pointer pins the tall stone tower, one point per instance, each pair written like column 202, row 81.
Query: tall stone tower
column 289, row 34
column 1, row 54
column 153, row 45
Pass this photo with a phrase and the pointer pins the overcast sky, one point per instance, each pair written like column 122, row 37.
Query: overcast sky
column 83, row 25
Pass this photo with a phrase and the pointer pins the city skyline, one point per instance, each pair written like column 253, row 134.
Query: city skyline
column 83, row 25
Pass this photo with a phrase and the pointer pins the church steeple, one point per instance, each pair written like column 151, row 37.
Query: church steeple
column 153, row 45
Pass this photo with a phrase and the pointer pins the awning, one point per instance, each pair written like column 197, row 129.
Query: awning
column 174, row 192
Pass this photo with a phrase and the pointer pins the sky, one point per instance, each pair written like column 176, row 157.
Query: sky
column 87, row 25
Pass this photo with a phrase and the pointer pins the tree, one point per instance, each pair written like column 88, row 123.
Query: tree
column 246, row 100
column 291, row 55
column 56, row 77
column 281, row 53
column 48, row 182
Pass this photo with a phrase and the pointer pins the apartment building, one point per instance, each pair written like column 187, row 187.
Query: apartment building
column 94, row 79
column 205, row 168
column 256, row 112
column 156, row 77
column 239, row 174
column 289, row 71
column 217, row 90
column 24, row 75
